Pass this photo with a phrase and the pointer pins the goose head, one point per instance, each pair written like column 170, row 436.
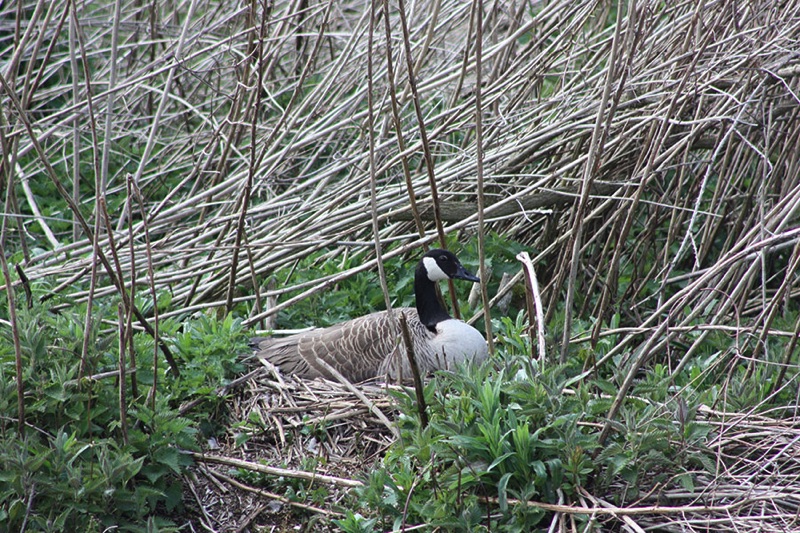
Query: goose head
column 441, row 265
column 436, row 265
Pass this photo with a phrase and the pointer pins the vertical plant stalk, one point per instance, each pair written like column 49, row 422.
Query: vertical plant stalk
column 132, row 290
column 5, row 168
column 112, row 246
column 487, row 314
column 94, row 236
column 123, row 415
column 535, row 296
column 87, row 322
column 76, row 134
column 248, row 186
column 6, row 182
column 534, row 300
column 12, row 316
column 426, row 149
column 589, row 170
column 398, row 125
column 422, row 407
column 155, row 35
column 373, row 188
column 101, row 180
column 151, row 276
column 300, row 43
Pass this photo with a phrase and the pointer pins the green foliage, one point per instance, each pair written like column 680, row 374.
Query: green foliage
column 355, row 523
column 507, row 433
column 493, row 435
column 357, row 295
column 73, row 469
column 208, row 351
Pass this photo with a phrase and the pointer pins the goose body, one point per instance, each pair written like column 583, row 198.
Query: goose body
column 369, row 346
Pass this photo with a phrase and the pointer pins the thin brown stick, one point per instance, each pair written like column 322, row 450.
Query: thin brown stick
column 244, row 200
column 484, row 273
column 128, row 213
column 122, row 383
column 422, row 407
column 12, row 315
column 398, row 128
column 426, row 149
column 373, row 188
column 274, row 471
column 360, row 395
column 272, row 496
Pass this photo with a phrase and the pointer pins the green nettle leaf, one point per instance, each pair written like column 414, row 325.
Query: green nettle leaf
column 170, row 457
column 686, row 480
column 706, row 460
column 618, row 463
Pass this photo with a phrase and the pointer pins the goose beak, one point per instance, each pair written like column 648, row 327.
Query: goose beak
column 462, row 273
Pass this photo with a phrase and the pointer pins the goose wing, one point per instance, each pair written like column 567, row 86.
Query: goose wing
column 356, row 348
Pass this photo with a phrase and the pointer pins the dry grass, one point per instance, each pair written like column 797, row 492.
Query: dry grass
column 660, row 148
column 298, row 425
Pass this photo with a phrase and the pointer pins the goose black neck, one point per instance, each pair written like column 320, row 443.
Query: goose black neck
column 429, row 307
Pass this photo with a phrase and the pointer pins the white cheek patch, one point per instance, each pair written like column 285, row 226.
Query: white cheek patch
column 432, row 267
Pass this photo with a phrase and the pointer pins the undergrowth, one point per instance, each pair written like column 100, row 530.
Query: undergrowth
column 515, row 431
column 83, row 462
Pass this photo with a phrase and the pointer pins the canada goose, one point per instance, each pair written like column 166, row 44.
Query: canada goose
column 366, row 347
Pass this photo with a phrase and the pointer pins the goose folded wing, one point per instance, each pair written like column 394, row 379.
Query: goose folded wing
column 356, row 348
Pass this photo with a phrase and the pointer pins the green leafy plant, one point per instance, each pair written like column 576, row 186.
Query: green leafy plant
column 79, row 466
column 506, row 435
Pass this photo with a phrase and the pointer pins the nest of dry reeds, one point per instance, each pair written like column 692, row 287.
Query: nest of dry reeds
column 222, row 142
column 290, row 422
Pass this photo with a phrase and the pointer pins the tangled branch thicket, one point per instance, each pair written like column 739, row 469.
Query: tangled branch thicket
column 654, row 150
